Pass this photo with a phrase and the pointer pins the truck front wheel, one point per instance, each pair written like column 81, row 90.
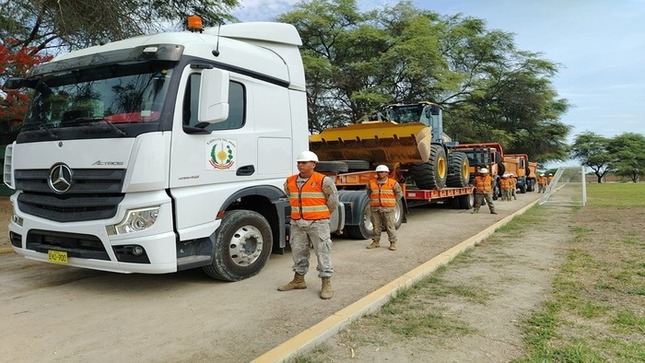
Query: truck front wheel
column 242, row 246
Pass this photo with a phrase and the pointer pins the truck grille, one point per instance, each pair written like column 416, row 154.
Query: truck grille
column 94, row 194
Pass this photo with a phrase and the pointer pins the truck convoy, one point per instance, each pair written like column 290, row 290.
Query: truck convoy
column 168, row 152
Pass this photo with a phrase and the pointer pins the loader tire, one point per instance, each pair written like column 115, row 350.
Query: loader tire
column 458, row 170
column 332, row 166
column 433, row 174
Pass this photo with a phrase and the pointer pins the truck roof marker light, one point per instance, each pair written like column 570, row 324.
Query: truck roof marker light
column 195, row 24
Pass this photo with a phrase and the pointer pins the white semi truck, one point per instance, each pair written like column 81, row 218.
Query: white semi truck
column 161, row 153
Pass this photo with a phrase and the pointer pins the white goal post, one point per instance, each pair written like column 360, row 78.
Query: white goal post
column 567, row 175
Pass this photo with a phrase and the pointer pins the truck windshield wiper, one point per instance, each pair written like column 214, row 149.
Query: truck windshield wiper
column 40, row 126
column 84, row 121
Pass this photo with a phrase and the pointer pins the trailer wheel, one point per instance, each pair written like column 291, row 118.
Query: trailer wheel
column 467, row 201
column 433, row 174
column 242, row 246
column 363, row 230
column 399, row 212
column 458, row 170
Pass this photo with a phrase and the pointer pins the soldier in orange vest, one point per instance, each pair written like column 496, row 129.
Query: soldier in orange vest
column 312, row 197
column 542, row 182
column 505, row 186
column 384, row 192
column 484, row 190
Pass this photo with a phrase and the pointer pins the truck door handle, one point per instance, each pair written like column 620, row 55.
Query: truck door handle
column 245, row 170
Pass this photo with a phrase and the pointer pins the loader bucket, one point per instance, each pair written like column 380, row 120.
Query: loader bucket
column 376, row 141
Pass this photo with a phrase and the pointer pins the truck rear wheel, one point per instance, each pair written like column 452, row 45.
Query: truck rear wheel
column 467, row 201
column 242, row 246
column 433, row 174
column 458, row 170
column 364, row 228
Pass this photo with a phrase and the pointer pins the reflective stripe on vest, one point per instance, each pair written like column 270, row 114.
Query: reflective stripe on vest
column 309, row 201
column 484, row 184
column 383, row 194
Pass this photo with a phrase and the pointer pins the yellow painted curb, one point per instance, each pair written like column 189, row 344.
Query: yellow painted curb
column 5, row 250
column 320, row 332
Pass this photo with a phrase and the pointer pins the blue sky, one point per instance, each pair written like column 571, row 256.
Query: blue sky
column 600, row 45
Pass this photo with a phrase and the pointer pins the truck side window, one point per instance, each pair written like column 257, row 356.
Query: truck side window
column 237, row 103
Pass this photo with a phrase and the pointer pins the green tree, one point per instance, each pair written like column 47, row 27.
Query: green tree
column 592, row 151
column 627, row 155
column 72, row 24
column 356, row 62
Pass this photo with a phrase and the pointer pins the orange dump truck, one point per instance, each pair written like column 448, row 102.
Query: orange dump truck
column 518, row 165
column 487, row 155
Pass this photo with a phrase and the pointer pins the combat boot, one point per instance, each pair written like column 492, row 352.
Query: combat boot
column 326, row 292
column 298, row 282
column 374, row 244
column 392, row 246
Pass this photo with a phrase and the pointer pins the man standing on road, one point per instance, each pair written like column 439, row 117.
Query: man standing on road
column 505, row 187
column 542, row 182
column 484, row 191
column 313, row 197
column 383, row 192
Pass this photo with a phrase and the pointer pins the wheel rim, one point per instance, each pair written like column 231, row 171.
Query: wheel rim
column 442, row 167
column 245, row 246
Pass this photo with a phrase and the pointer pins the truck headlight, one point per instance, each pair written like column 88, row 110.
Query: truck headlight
column 135, row 220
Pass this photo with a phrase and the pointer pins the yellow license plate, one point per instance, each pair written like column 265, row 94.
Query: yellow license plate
column 57, row 257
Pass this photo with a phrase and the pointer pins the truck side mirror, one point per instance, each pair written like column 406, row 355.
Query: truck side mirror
column 213, row 96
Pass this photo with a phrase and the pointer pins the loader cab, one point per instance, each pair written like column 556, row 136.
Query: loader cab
column 426, row 113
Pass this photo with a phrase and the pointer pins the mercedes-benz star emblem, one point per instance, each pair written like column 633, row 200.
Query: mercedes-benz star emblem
column 60, row 178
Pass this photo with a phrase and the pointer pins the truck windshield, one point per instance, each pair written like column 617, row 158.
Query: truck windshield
column 111, row 99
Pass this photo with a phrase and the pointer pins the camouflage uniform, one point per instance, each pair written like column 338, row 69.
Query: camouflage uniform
column 306, row 234
column 380, row 216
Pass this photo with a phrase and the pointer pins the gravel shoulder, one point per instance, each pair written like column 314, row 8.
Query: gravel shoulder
column 470, row 310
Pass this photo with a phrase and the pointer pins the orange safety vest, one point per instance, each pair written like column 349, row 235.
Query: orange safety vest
column 505, row 184
column 484, row 184
column 542, row 180
column 383, row 194
column 309, row 201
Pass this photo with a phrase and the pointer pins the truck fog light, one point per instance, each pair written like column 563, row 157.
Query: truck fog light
column 17, row 220
column 137, row 250
column 136, row 220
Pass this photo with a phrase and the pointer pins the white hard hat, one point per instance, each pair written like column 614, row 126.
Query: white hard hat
column 382, row 168
column 307, row 156
column 550, row 174
column 483, row 170
column 542, row 174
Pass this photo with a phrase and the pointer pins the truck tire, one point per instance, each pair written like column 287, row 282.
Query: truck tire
column 357, row 165
column 458, row 170
column 331, row 166
column 501, row 169
column 497, row 191
column 364, row 228
column 433, row 174
column 242, row 246
column 467, row 201
column 399, row 213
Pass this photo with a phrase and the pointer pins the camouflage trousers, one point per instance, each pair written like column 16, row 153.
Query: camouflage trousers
column 479, row 199
column 383, row 218
column 311, row 234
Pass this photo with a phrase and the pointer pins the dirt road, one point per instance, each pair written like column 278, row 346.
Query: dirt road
column 57, row 313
